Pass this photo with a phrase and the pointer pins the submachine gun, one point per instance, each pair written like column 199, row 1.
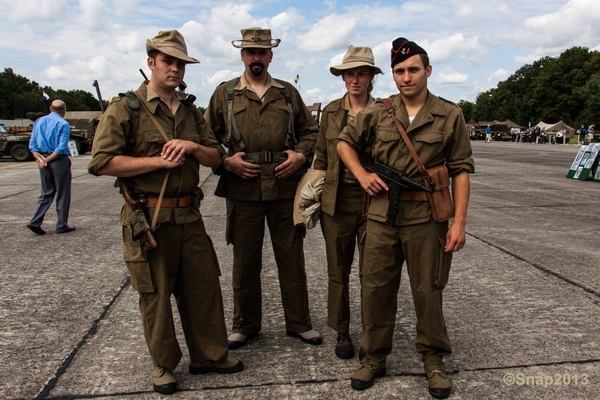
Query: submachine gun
column 398, row 182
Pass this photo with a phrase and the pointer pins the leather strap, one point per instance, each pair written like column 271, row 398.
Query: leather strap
column 404, row 196
column 266, row 156
column 407, row 141
column 164, row 184
column 174, row 202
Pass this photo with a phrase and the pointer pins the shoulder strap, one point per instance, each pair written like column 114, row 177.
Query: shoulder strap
column 407, row 141
column 232, row 128
column 291, row 140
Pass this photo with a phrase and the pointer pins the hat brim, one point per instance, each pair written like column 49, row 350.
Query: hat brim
column 244, row 44
column 339, row 69
column 172, row 52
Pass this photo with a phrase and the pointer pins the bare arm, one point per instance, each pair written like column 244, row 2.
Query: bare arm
column 461, row 189
column 369, row 181
column 126, row 166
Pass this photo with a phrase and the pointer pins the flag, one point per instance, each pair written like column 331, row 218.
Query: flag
column 297, row 79
column 45, row 95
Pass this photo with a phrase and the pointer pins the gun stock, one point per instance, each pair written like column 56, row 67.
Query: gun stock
column 147, row 238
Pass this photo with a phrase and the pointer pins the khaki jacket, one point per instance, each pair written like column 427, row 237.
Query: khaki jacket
column 116, row 127
column 263, row 126
column 438, row 134
column 333, row 120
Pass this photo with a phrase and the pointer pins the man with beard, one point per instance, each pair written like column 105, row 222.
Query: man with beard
column 270, row 136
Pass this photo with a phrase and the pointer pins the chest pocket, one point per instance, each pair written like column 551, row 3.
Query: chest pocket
column 386, row 148
column 430, row 137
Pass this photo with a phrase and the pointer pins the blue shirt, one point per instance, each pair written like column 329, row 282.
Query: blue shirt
column 50, row 134
column 488, row 130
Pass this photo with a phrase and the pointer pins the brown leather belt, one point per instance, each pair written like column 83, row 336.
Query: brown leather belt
column 404, row 196
column 174, row 202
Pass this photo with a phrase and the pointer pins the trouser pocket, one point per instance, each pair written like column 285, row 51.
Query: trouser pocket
column 443, row 268
column 137, row 263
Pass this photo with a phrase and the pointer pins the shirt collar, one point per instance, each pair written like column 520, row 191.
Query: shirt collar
column 243, row 83
column 151, row 94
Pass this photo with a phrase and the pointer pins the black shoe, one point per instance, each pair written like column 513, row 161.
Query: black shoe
column 440, row 393
column 69, row 229
column 229, row 366
column 314, row 340
column 239, row 340
column 343, row 347
column 36, row 229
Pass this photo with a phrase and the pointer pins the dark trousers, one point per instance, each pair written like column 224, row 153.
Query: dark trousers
column 56, row 181
column 245, row 230
column 183, row 265
column 386, row 249
column 342, row 232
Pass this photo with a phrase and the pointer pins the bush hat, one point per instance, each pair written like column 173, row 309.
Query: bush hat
column 356, row 57
column 172, row 44
column 257, row 38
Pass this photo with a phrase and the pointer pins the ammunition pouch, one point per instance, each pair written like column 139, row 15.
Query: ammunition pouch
column 138, row 224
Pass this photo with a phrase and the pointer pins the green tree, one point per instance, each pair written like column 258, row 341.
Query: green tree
column 590, row 93
column 467, row 109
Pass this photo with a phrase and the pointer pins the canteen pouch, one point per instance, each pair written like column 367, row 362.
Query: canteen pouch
column 138, row 224
column 440, row 201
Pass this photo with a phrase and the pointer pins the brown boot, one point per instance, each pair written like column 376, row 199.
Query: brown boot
column 365, row 376
column 439, row 384
column 163, row 381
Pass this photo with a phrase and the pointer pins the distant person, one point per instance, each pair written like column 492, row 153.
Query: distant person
column 591, row 132
column 270, row 135
column 49, row 145
column 436, row 129
column 535, row 134
column 156, row 140
column 488, row 134
column 342, row 200
column 582, row 132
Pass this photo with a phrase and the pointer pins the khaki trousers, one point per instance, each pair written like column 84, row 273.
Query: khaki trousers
column 386, row 249
column 184, row 264
column 245, row 230
column 342, row 232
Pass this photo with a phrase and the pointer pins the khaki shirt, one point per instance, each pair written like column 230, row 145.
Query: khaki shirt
column 263, row 125
column 438, row 133
column 116, row 127
column 336, row 115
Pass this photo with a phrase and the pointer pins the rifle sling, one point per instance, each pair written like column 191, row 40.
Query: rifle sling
column 407, row 141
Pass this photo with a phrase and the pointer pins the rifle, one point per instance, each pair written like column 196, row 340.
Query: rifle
column 139, row 225
column 189, row 98
column 397, row 182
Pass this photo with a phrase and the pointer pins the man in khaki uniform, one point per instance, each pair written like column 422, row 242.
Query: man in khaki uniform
column 270, row 136
column 157, row 141
column 439, row 135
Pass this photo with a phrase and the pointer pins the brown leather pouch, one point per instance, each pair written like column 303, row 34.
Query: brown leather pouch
column 440, row 201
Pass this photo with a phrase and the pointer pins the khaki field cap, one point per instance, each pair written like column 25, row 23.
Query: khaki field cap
column 170, row 43
column 356, row 57
column 256, row 38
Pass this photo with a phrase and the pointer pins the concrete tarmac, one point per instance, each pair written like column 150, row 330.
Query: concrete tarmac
column 522, row 303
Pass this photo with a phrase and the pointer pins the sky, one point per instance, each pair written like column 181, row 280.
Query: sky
column 472, row 45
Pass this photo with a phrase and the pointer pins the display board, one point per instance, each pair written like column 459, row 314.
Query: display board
column 585, row 162
column 577, row 162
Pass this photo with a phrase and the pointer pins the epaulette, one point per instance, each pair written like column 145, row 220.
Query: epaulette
column 448, row 101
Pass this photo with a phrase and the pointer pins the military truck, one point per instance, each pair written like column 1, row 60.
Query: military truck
column 14, row 141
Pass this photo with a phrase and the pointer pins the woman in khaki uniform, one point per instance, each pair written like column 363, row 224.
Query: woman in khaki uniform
column 342, row 220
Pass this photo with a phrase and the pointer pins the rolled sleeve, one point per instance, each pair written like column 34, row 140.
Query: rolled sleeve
column 111, row 136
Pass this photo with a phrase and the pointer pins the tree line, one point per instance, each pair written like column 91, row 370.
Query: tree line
column 551, row 89
column 19, row 95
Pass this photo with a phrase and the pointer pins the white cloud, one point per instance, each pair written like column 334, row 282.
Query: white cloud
column 32, row 11
column 331, row 32
column 449, row 76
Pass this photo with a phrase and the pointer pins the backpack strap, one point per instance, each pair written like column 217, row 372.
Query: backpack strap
column 291, row 140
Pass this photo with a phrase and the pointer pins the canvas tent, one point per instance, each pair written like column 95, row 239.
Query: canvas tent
column 558, row 127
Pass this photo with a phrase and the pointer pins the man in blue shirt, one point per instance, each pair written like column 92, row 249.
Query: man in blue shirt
column 488, row 134
column 49, row 145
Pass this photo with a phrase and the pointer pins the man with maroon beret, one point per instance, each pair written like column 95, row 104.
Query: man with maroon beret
column 437, row 130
